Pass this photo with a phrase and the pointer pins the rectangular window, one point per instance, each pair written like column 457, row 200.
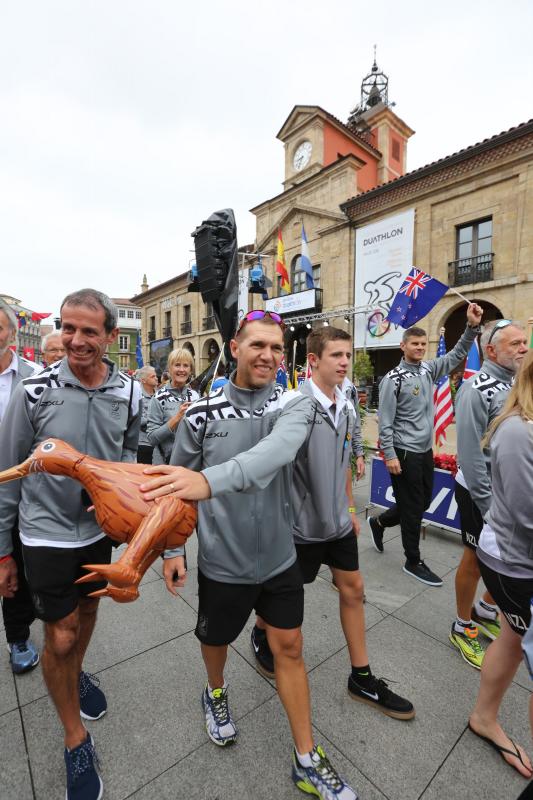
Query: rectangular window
column 474, row 239
column 130, row 314
column 167, row 319
column 123, row 342
column 138, row 315
column 152, row 324
column 122, row 313
column 396, row 149
column 186, row 313
column 124, row 362
column 473, row 253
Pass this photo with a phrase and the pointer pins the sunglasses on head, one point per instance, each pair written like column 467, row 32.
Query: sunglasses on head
column 502, row 323
column 253, row 316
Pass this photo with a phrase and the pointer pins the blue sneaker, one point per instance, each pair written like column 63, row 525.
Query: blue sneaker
column 83, row 780
column 23, row 656
column 320, row 779
column 93, row 704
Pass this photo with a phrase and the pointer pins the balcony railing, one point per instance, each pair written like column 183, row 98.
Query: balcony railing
column 471, row 270
column 151, row 336
column 167, row 332
column 186, row 328
column 208, row 323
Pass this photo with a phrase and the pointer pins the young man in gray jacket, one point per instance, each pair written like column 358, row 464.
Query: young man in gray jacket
column 406, row 413
column 479, row 400
column 325, row 526
column 17, row 608
column 84, row 400
column 235, row 449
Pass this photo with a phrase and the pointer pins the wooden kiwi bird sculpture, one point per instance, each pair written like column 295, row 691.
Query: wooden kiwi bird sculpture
column 149, row 527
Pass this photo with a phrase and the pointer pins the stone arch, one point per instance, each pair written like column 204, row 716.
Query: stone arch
column 188, row 346
column 210, row 351
column 454, row 319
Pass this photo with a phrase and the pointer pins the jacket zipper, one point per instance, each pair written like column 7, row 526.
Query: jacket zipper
column 90, row 397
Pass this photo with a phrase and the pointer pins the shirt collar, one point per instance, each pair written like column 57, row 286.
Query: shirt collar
column 340, row 399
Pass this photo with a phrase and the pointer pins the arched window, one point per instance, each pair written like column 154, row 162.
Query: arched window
column 298, row 276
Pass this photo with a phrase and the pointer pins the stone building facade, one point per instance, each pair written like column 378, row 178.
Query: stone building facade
column 123, row 349
column 172, row 317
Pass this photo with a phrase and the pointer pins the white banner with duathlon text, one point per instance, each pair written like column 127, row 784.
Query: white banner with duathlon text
column 383, row 257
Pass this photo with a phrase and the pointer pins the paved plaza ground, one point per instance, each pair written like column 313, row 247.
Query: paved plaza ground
column 152, row 742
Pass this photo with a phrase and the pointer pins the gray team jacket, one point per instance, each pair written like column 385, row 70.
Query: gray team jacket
column 507, row 546
column 479, row 400
column 145, row 402
column 163, row 406
column 102, row 422
column 406, row 409
column 244, row 441
column 319, row 500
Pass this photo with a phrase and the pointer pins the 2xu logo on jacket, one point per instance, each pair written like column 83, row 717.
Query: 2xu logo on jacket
column 216, row 435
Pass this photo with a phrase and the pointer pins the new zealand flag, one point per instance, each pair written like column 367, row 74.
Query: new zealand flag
column 417, row 295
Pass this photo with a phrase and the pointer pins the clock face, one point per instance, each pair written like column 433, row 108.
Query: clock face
column 302, row 155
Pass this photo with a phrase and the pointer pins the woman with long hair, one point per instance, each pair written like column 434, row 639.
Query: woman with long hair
column 169, row 404
column 505, row 553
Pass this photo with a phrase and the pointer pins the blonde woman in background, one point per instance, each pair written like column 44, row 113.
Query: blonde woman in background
column 169, row 404
column 505, row 553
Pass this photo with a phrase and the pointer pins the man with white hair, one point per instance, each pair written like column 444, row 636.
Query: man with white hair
column 52, row 348
column 17, row 610
column 479, row 401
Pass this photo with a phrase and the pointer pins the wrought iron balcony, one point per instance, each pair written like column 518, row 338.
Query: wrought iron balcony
column 167, row 332
column 151, row 336
column 208, row 323
column 186, row 328
column 471, row 270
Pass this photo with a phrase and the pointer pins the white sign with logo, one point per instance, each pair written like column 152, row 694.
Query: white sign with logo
column 288, row 303
column 383, row 257
column 242, row 302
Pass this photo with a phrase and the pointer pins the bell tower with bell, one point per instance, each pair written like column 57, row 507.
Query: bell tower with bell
column 374, row 118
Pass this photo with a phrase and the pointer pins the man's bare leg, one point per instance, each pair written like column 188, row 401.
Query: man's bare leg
column 215, row 660
column 60, row 663
column 292, row 684
column 352, row 613
column 501, row 661
column 88, row 609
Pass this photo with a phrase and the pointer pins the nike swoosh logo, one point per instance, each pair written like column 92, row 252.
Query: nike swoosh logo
column 256, row 648
column 372, row 695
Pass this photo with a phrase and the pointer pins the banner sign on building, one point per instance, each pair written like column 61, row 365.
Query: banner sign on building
column 443, row 509
column 288, row 303
column 383, row 256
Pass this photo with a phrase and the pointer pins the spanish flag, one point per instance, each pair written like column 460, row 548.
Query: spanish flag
column 281, row 267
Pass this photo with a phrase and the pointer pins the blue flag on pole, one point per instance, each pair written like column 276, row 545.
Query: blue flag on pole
column 473, row 361
column 306, row 262
column 417, row 295
column 139, row 352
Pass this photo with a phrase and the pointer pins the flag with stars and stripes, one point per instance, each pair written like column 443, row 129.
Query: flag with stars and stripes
column 443, row 401
column 417, row 295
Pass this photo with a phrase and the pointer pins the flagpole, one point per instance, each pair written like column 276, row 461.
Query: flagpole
column 460, row 295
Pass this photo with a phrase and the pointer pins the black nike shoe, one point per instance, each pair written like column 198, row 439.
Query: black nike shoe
column 376, row 693
column 264, row 660
column 376, row 533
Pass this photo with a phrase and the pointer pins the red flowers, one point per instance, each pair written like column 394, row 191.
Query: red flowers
column 447, row 462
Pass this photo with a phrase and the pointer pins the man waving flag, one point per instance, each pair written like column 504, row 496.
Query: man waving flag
column 417, row 295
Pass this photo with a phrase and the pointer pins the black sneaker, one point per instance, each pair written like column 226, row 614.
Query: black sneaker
column 376, row 533
column 376, row 693
column 83, row 779
column 264, row 660
column 422, row 573
column 93, row 704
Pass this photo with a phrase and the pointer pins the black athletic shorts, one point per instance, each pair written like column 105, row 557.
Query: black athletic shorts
column 337, row 553
column 51, row 572
column 224, row 608
column 471, row 519
column 512, row 596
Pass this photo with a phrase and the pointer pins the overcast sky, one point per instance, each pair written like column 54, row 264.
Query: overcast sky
column 124, row 124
